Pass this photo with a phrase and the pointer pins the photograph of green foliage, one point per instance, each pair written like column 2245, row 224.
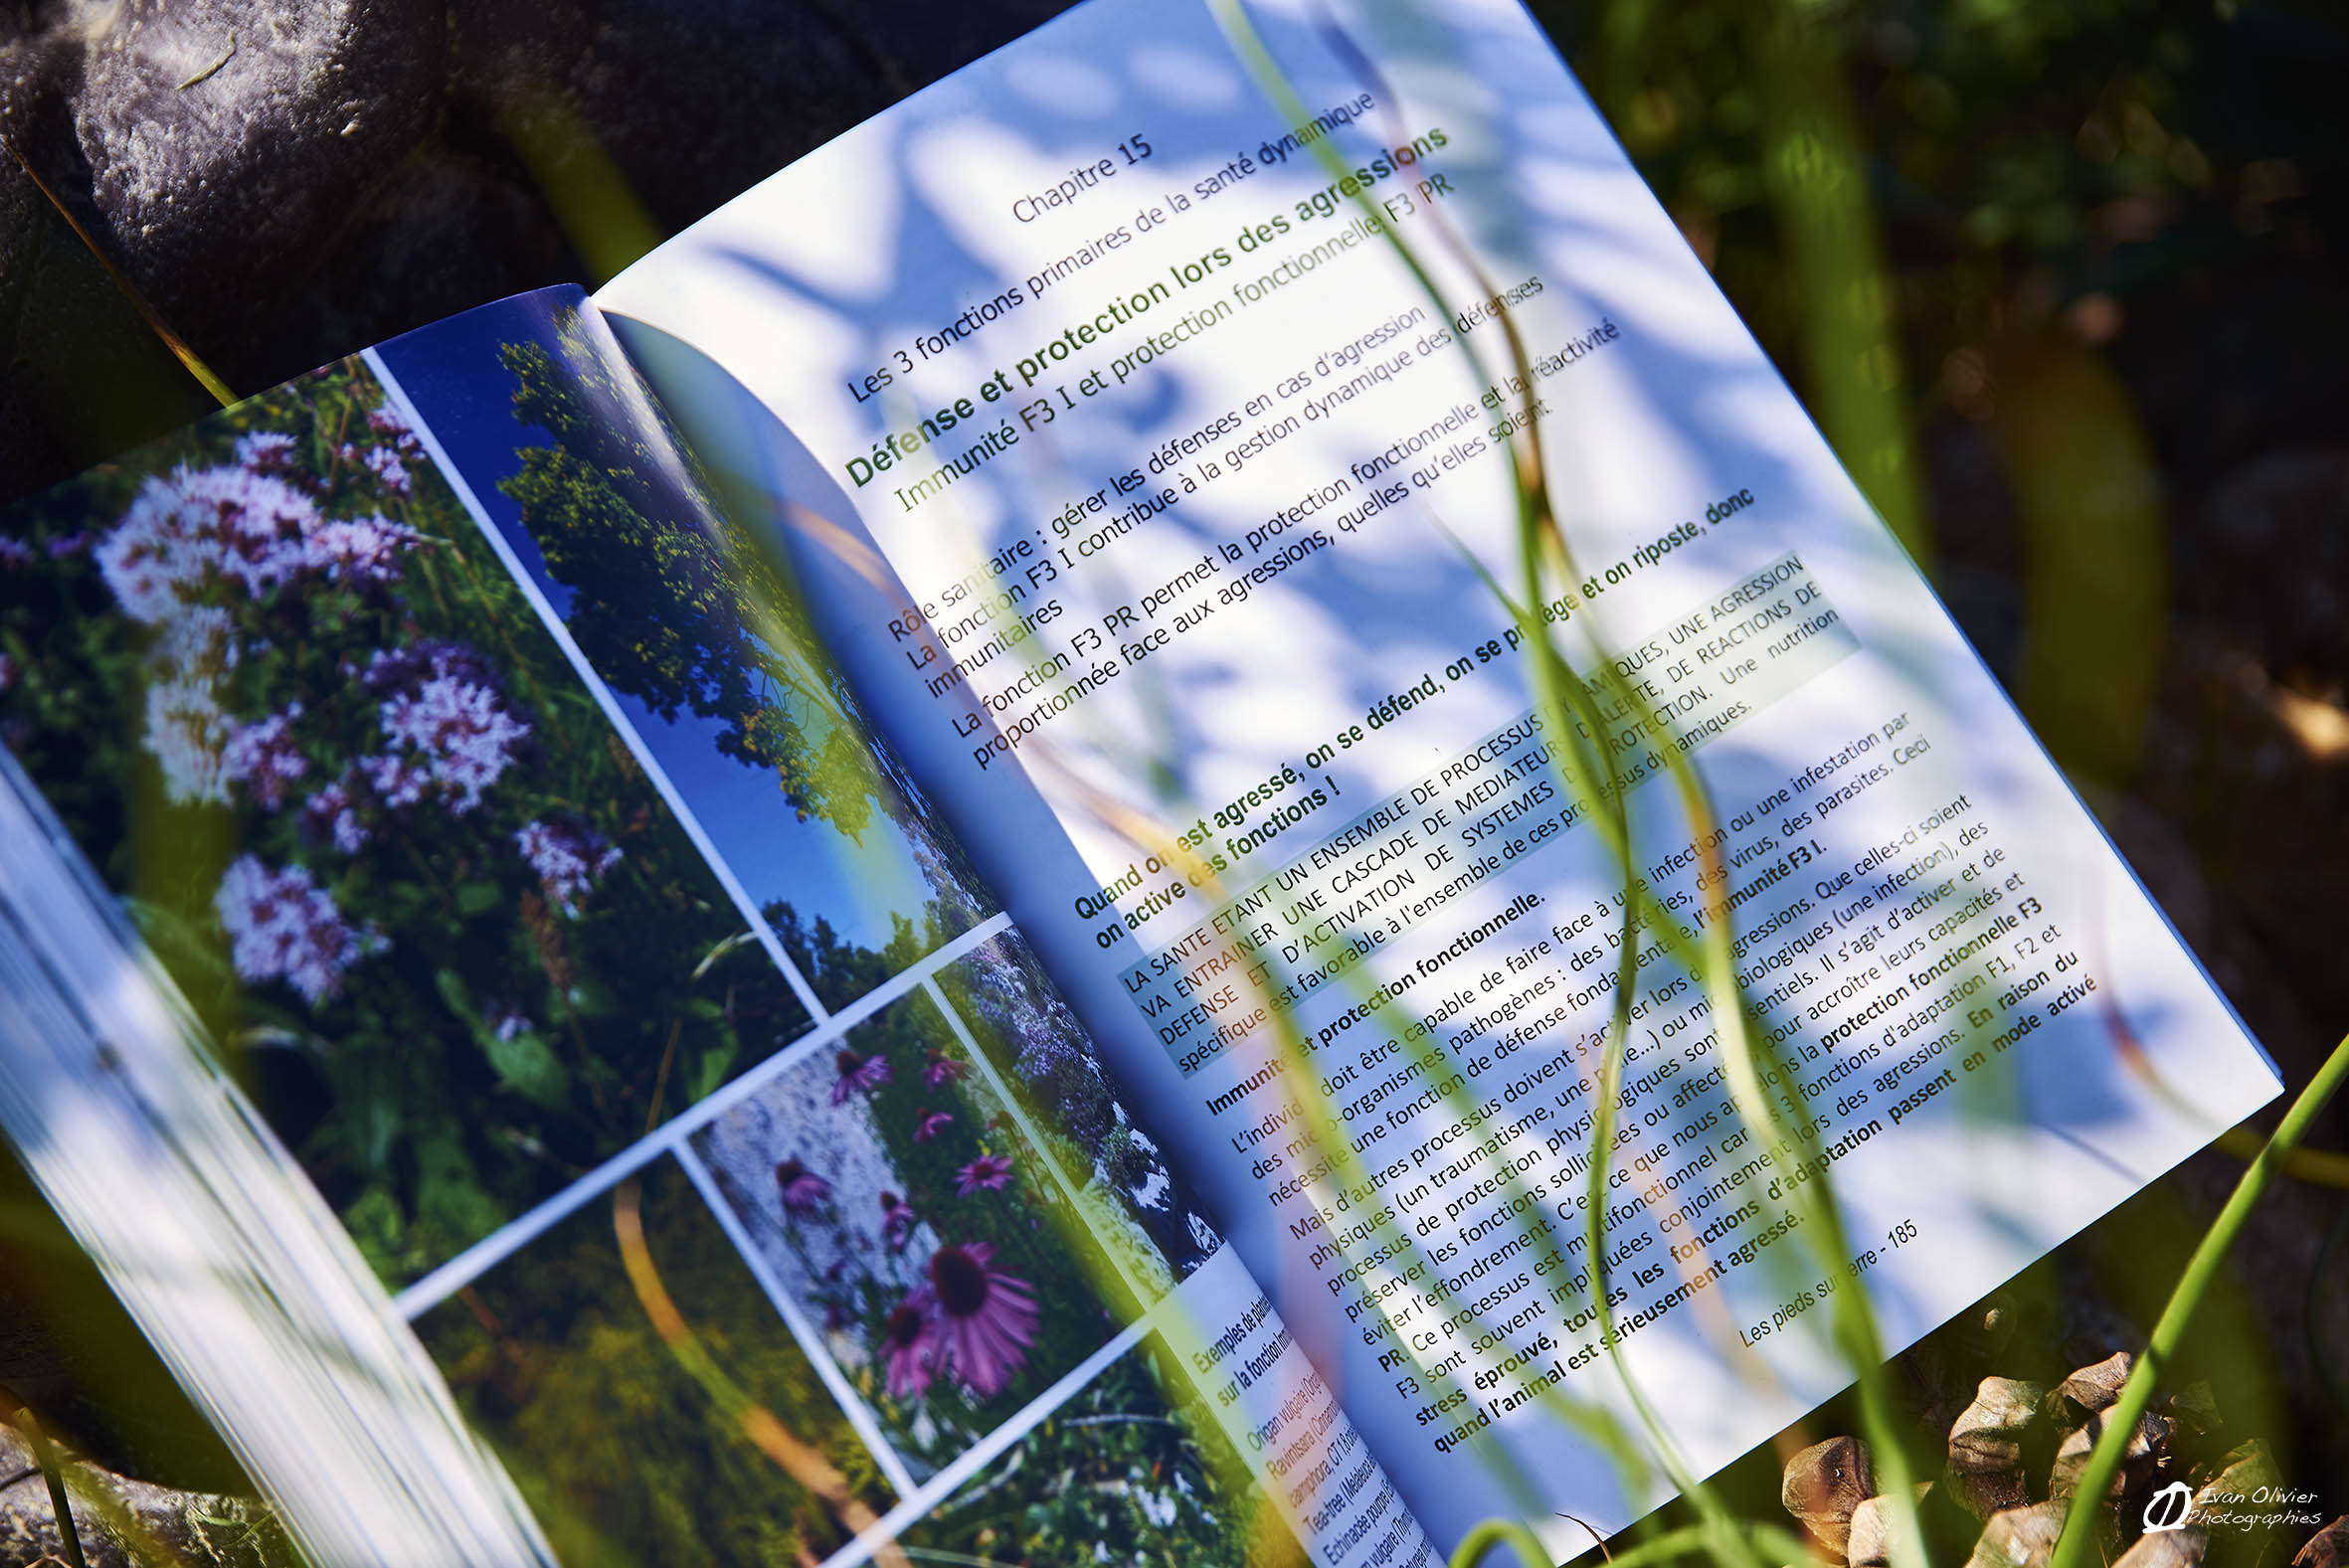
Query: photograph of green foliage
column 1131, row 1470
column 900, row 1204
column 281, row 693
column 689, row 617
column 652, row 1408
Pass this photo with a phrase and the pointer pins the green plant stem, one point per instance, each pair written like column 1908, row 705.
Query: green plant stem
column 1685, row 1541
column 2195, row 1282
column 1489, row 1533
column 1816, row 173
column 60, row 1504
column 148, row 313
column 1568, row 708
column 2317, row 1167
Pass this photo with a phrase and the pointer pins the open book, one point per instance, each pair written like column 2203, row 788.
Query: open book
column 898, row 891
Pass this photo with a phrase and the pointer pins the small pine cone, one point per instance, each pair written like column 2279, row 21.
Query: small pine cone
column 1824, row 1483
column 2245, row 1468
column 2184, row 1548
column 2019, row 1537
column 2089, row 1391
column 1996, row 1325
column 1871, row 1543
column 2247, row 1471
column 2193, row 1409
column 1986, row 1445
column 2139, row 1461
column 2328, row 1548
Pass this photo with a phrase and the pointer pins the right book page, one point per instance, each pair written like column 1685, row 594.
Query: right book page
column 1195, row 497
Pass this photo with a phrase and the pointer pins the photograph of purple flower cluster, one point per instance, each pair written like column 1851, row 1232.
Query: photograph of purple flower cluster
column 280, row 688
column 893, row 1196
column 283, row 927
column 209, row 557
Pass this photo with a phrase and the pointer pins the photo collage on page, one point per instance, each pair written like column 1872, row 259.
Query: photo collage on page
column 919, row 1228
column 730, row 1153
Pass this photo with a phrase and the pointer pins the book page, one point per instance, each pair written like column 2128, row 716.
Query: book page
column 665, row 1134
column 1190, row 504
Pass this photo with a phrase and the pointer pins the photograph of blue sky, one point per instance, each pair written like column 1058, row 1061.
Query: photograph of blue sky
column 452, row 375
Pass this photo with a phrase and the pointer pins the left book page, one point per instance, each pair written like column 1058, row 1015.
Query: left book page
column 505, row 952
